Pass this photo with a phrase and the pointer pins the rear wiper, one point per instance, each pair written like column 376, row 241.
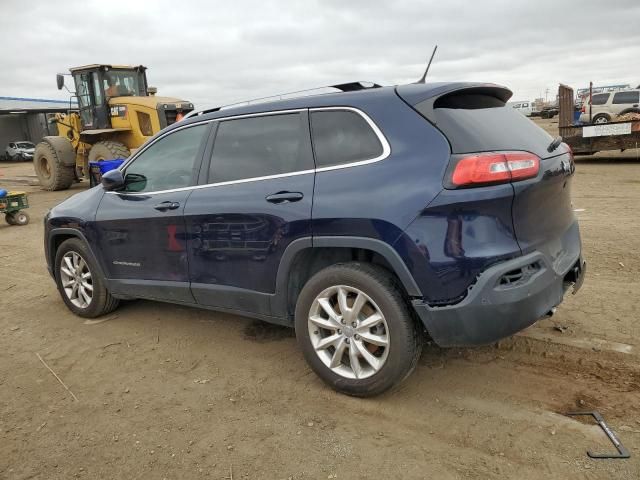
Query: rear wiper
column 555, row 144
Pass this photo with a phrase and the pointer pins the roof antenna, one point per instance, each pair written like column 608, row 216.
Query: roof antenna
column 424, row 76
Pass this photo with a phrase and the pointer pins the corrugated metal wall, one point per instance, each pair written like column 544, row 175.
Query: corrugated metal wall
column 29, row 126
column 12, row 128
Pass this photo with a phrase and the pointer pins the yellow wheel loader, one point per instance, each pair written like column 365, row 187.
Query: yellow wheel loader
column 117, row 112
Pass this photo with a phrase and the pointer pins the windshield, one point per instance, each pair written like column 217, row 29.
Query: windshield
column 119, row 83
column 25, row 145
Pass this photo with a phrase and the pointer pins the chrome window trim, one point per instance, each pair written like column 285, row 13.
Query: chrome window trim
column 386, row 150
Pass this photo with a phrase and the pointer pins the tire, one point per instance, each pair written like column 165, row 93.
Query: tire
column 101, row 301
column 601, row 118
column 21, row 218
column 52, row 173
column 9, row 218
column 397, row 328
column 108, row 150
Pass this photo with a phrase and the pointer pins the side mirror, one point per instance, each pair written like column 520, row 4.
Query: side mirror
column 112, row 180
column 60, row 81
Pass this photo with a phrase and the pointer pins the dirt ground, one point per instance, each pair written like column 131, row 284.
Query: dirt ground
column 170, row 392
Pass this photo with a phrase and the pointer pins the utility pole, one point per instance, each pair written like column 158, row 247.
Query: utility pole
column 546, row 94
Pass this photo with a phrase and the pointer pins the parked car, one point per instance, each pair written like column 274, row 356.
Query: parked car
column 549, row 111
column 361, row 218
column 19, row 151
column 605, row 107
column 528, row 109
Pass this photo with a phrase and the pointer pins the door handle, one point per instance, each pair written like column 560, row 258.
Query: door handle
column 636, row 105
column 164, row 206
column 284, row 197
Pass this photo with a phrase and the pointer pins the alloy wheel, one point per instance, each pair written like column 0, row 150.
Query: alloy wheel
column 76, row 279
column 348, row 332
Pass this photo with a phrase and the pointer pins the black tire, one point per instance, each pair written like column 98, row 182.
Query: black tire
column 601, row 118
column 21, row 218
column 102, row 302
column 405, row 338
column 9, row 218
column 52, row 173
column 108, row 150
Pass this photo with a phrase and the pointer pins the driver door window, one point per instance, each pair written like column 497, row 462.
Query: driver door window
column 169, row 163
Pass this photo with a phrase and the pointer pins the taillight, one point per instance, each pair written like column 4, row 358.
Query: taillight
column 492, row 168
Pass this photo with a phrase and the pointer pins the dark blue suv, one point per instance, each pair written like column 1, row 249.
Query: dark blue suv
column 362, row 218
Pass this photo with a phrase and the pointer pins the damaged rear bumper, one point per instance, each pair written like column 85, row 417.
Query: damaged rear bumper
column 505, row 299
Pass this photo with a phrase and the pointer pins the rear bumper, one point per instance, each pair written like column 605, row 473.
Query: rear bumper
column 497, row 307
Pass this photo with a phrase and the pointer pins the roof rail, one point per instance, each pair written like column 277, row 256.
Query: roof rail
column 342, row 87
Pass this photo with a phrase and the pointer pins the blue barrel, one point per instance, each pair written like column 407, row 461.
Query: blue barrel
column 576, row 117
column 97, row 169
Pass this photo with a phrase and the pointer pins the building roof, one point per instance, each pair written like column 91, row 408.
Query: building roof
column 34, row 105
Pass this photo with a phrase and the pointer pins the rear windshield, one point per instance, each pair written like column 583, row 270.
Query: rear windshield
column 483, row 123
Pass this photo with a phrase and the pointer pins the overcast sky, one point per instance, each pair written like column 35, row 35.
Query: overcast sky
column 218, row 52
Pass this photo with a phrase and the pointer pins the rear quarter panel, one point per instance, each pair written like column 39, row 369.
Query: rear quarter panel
column 380, row 199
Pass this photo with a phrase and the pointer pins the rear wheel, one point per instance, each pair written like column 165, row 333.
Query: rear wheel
column 9, row 218
column 108, row 150
column 79, row 281
column 52, row 172
column 601, row 118
column 355, row 329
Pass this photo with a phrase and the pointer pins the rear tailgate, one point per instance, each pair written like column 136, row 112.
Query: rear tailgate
column 477, row 120
column 543, row 217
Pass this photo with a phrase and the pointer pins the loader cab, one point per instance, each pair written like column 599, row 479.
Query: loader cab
column 97, row 84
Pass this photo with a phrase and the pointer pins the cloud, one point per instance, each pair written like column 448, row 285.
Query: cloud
column 220, row 52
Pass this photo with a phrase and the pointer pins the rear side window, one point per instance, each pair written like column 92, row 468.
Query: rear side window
column 261, row 146
column 480, row 122
column 625, row 97
column 342, row 136
column 599, row 99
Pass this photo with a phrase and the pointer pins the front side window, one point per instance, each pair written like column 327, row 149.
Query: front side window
column 625, row 97
column 599, row 99
column 342, row 136
column 168, row 163
column 260, row 146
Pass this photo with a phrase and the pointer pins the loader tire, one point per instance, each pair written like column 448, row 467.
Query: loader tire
column 52, row 173
column 108, row 150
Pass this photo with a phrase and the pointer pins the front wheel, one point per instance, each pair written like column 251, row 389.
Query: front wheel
column 355, row 329
column 79, row 282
